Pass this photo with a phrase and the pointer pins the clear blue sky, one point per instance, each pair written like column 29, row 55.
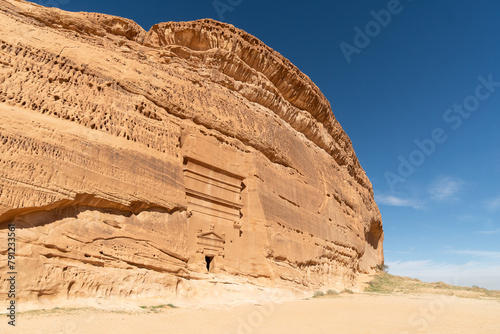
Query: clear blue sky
column 441, row 210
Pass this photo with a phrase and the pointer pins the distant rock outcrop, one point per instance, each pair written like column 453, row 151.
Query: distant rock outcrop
column 134, row 163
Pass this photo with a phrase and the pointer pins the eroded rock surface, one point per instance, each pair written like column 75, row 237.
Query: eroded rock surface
column 134, row 163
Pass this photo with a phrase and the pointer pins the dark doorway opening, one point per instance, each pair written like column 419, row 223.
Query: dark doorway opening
column 208, row 260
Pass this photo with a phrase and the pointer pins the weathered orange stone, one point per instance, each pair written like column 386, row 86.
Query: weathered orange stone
column 137, row 163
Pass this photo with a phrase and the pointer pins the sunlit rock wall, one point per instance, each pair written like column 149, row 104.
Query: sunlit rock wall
column 133, row 163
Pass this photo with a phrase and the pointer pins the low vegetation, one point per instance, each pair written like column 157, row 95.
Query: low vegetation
column 389, row 284
column 64, row 311
column 67, row 311
column 331, row 293
column 318, row 294
column 382, row 267
column 157, row 308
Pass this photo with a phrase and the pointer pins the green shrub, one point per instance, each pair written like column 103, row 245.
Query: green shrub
column 318, row 294
column 158, row 306
column 382, row 267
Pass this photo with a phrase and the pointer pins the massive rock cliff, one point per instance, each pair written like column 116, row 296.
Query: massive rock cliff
column 135, row 163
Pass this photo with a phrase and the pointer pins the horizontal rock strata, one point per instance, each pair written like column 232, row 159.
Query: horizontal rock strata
column 134, row 163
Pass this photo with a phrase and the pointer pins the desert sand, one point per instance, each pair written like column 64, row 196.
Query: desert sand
column 345, row 313
column 190, row 160
column 381, row 303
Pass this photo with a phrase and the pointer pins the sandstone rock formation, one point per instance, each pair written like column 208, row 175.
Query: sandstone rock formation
column 134, row 163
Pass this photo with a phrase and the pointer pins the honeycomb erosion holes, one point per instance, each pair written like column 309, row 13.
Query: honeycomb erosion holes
column 140, row 164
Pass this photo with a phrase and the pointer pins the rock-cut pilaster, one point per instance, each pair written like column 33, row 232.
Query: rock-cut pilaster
column 139, row 163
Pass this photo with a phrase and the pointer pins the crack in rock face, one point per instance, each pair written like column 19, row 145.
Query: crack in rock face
column 141, row 163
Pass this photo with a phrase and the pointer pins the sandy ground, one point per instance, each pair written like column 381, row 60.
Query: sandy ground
column 358, row 313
